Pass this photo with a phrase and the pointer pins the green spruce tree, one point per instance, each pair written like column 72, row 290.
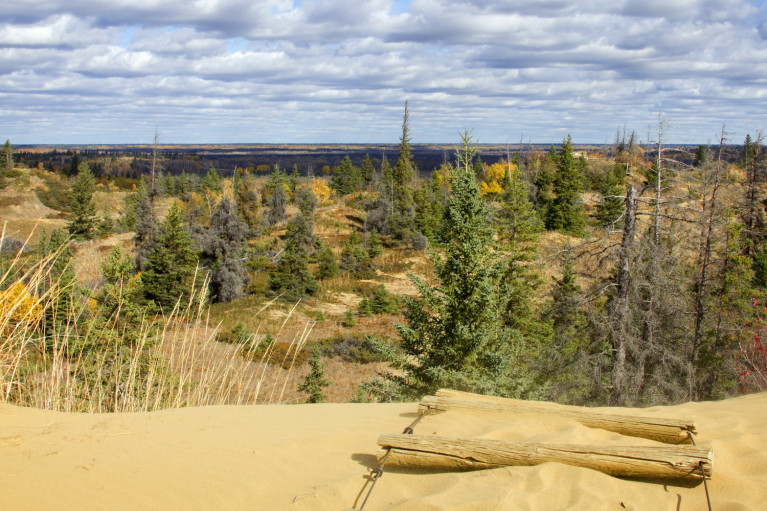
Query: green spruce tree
column 292, row 278
column 327, row 264
column 293, row 182
column 346, row 177
column 611, row 189
column 701, row 156
column 544, row 182
column 58, row 282
column 565, row 212
column 373, row 242
column 448, row 325
column 120, row 298
column 84, row 221
column 354, row 258
column 211, row 183
column 367, row 171
column 277, row 200
column 144, row 224
column 567, row 359
column 7, row 162
column 172, row 264
column 74, row 166
column 401, row 221
column 315, row 381
column 519, row 228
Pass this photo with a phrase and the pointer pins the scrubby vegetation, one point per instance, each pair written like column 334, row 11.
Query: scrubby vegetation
column 628, row 277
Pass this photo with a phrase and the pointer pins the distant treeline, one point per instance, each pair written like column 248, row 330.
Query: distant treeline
column 319, row 160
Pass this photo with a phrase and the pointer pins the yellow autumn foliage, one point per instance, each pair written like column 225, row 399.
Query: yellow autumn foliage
column 17, row 304
column 494, row 176
column 320, row 189
column 227, row 188
column 497, row 171
column 490, row 189
column 442, row 176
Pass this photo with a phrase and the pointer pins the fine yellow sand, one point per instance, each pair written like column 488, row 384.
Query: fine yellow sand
column 316, row 457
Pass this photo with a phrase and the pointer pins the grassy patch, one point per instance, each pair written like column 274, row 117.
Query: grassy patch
column 350, row 348
column 55, row 195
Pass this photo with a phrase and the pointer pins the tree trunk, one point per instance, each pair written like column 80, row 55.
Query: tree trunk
column 619, row 311
column 455, row 453
column 671, row 431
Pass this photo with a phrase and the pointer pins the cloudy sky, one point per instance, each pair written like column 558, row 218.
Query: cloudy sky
column 110, row 71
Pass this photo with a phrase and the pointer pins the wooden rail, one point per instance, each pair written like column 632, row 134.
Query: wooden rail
column 670, row 431
column 453, row 453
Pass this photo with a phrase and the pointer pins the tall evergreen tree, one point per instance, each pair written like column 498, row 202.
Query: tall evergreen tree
column 452, row 335
column 58, row 283
column 307, row 205
column 566, row 361
column 292, row 278
column 752, row 210
column 211, row 182
column 611, row 189
column 120, row 298
column 519, row 227
column 346, row 177
column 429, row 209
column 221, row 250
column 373, row 244
column 294, row 180
column 84, row 220
column 367, row 171
column 401, row 222
column 386, row 184
column 171, row 267
column 566, row 211
column 248, row 201
column 544, row 182
column 327, row 264
column 277, row 199
column 354, row 258
column 315, row 381
column 74, row 166
column 145, row 224
column 701, row 156
column 7, row 162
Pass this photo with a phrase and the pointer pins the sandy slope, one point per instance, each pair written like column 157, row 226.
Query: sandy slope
column 316, row 457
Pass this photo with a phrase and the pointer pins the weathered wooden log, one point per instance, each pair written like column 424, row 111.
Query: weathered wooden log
column 452, row 453
column 670, row 431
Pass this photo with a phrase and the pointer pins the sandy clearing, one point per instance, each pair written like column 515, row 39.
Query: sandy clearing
column 315, row 457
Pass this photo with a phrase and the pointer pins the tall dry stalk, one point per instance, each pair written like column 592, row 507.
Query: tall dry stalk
column 82, row 363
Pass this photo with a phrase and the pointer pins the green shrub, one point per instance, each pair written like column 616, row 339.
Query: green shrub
column 349, row 320
column 240, row 334
column 315, row 381
column 56, row 195
column 351, row 348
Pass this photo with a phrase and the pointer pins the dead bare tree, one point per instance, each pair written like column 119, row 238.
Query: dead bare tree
column 152, row 188
column 704, row 253
column 619, row 311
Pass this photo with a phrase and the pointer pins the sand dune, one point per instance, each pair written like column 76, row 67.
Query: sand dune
column 311, row 457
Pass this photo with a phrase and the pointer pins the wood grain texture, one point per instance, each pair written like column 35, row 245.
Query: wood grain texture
column 455, row 453
column 670, row 431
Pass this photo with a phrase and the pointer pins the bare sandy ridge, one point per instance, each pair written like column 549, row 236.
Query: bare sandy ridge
column 309, row 457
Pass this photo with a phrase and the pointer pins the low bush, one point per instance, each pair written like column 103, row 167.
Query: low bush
column 350, row 348
column 56, row 195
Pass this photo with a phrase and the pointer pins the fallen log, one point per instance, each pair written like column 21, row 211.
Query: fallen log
column 453, row 453
column 670, row 431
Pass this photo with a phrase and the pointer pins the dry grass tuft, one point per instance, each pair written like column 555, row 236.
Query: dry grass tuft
column 70, row 361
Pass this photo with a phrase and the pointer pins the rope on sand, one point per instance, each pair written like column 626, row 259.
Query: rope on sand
column 377, row 473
